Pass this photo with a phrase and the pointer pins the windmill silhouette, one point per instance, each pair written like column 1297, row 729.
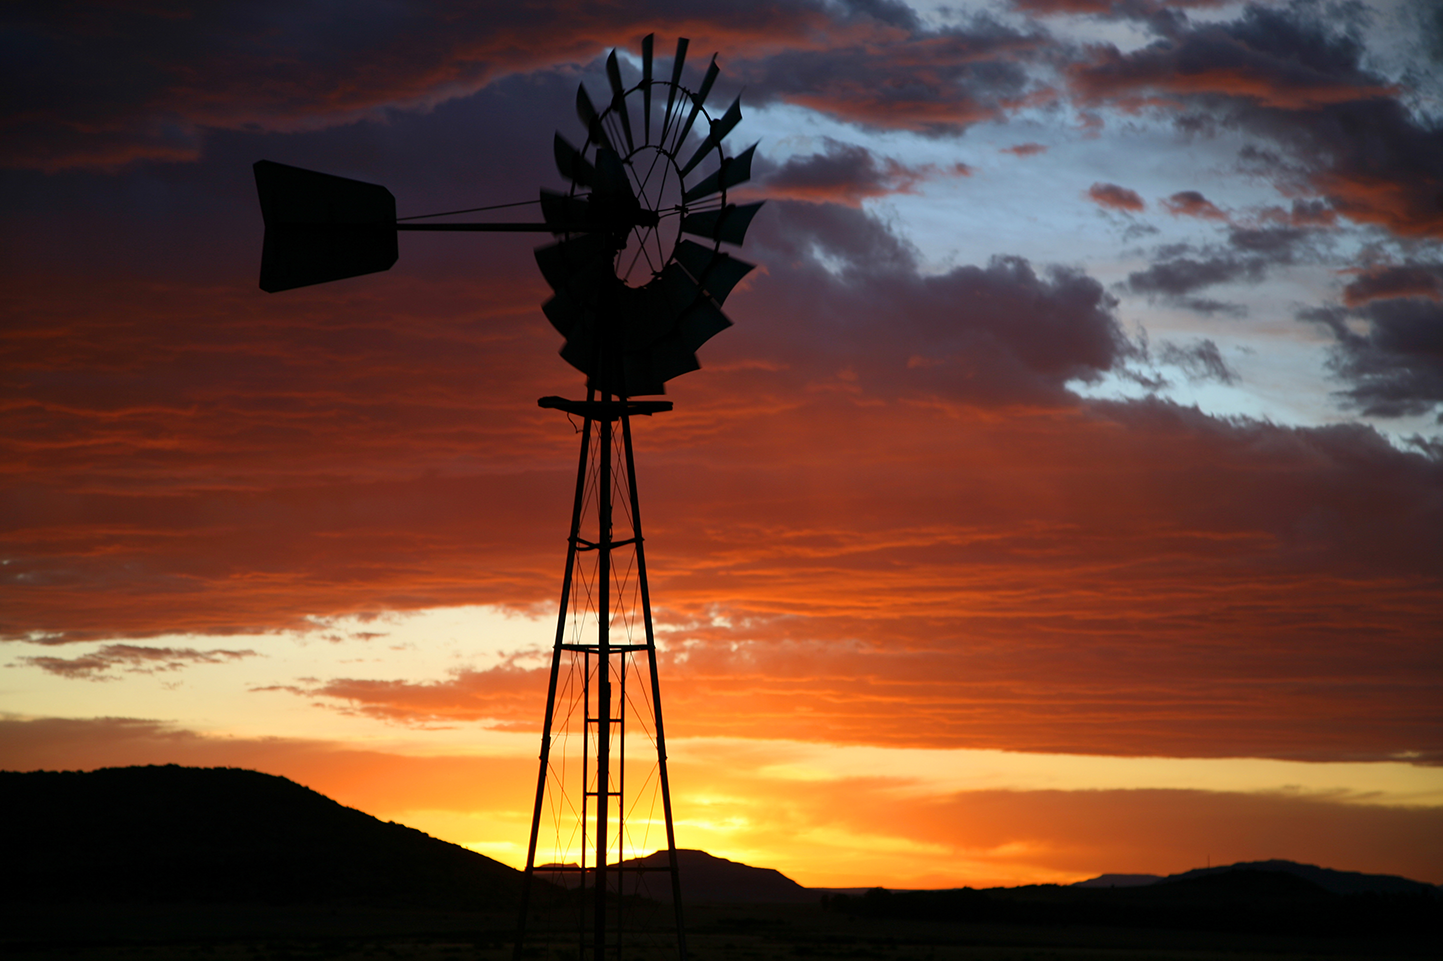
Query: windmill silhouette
column 638, row 276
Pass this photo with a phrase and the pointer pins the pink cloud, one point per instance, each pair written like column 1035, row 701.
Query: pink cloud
column 1116, row 198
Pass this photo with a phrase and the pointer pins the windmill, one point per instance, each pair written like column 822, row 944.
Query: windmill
column 639, row 275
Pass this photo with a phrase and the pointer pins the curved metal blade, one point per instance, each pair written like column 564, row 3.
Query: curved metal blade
column 571, row 163
column 611, row 179
column 697, row 100
column 557, row 208
column 676, row 65
column 716, row 272
column 646, row 42
column 698, row 317
column 733, row 171
column 564, row 313
column 728, row 224
column 618, row 100
column 590, row 118
column 717, row 133
column 579, row 265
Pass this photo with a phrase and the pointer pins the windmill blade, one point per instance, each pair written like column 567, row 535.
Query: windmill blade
column 717, row 133
column 611, row 178
column 697, row 100
column 716, row 272
column 565, row 314
column 579, row 265
column 666, row 360
column 302, row 210
column 728, row 224
column 698, row 317
column 571, row 164
column 557, row 208
column 618, row 100
column 591, row 118
column 646, row 43
column 676, row 65
column 733, row 171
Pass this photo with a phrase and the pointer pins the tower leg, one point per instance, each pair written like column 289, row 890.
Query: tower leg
column 572, row 542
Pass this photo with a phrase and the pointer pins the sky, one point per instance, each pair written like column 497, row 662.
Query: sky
column 1067, row 497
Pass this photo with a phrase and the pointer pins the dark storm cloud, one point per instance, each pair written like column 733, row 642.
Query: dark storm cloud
column 132, row 659
column 1394, row 367
column 1003, row 332
column 102, row 85
column 931, row 82
column 1248, row 255
column 1403, row 280
column 1178, row 276
column 1118, row 8
column 846, row 174
column 1294, row 75
column 1115, row 197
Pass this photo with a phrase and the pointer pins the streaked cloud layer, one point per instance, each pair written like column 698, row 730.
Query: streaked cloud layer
column 1086, row 401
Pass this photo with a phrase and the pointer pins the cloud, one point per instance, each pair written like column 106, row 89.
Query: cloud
column 1387, row 338
column 1248, row 256
column 132, row 659
column 1304, row 213
column 1024, row 149
column 936, row 83
column 1116, row 198
column 1295, row 76
column 882, row 474
column 1177, row 276
column 1200, row 361
column 1005, row 332
column 1403, row 280
column 1124, row 9
column 1190, row 203
column 847, row 174
column 1395, row 367
column 1269, row 57
column 105, row 87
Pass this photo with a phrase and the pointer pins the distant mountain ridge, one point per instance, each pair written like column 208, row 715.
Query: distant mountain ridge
column 213, row 835
column 705, row 877
column 1335, row 882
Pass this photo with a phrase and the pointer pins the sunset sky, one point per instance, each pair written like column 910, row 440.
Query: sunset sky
column 1066, row 499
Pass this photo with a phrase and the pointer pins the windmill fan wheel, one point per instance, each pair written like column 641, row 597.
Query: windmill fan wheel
column 638, row 270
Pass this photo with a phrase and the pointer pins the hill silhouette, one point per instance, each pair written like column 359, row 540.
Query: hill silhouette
column 1236, row 898
column 162, row 854
column 1338, row 882
column 211, row 835
column 714, row 880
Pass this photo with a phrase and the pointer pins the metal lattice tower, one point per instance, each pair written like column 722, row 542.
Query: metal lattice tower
column 639, row 277
column 599, row 807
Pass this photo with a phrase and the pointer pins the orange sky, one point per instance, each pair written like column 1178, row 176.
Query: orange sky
column 1007, row 494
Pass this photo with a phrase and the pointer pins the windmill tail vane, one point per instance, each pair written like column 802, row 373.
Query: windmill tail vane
column 639, row 274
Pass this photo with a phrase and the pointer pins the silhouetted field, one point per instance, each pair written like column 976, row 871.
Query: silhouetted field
column 170, row 863
column 715, row 933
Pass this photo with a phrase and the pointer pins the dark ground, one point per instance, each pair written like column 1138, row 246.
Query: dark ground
column 187, row 864
column 732, row 932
